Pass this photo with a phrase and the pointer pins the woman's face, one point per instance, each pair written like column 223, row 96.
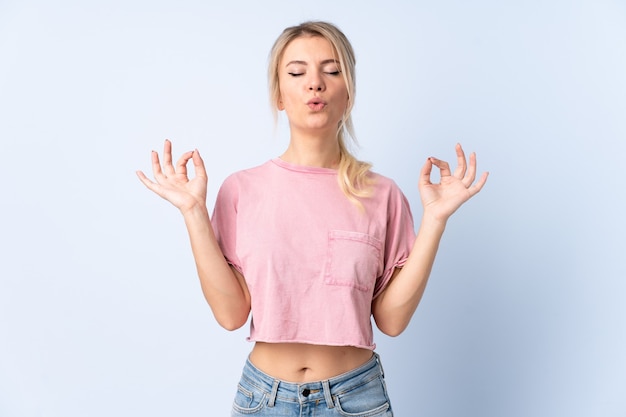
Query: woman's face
column 313, row 92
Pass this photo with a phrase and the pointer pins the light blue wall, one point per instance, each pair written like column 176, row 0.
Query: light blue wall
column 100, row 310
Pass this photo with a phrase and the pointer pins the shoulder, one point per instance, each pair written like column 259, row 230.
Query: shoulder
column 383, row 184
column 240, row 182
column 386, row 193
column 245, row 175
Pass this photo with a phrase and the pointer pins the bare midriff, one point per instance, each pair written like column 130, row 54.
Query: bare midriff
column 299, row 363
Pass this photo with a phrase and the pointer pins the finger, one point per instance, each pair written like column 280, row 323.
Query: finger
column 146, row 181
column 142, row 176
column 156, row 167
column 198, row 165
column 167, row 158
column 461, row 167
column 471, row 172
column 425, row 173
column 181, row 164
column 443, row 166
column 475, row 189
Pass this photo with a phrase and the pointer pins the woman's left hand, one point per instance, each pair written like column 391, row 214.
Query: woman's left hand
column 443, row 199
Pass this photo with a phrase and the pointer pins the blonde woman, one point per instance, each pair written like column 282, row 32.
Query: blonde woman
column 313, row 243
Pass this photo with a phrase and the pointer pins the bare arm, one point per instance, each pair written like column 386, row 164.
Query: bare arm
column 395, row 306
column 223, row 287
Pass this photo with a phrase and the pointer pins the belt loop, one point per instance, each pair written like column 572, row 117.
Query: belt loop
column 329, row 398
column 274, row 393
column 380, row 365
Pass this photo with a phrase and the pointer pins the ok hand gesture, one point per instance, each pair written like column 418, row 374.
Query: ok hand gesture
column 443, row 199
column 173, row 183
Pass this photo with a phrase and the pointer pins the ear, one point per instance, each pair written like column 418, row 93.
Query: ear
column 280, row 105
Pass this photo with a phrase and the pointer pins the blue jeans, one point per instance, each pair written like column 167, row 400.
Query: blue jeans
column 357, row 393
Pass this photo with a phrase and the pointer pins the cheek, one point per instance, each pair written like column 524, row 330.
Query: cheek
column 342, row 95
column 283, row 99
column 343, row 98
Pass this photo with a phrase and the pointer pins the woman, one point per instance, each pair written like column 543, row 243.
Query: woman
column 313, row 243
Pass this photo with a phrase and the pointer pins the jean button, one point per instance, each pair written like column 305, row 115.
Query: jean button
column 306, row 392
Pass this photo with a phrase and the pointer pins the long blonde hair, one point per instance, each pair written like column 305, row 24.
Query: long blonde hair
column 352, row 174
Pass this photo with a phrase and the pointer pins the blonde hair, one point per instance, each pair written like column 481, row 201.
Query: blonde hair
column 352, row 174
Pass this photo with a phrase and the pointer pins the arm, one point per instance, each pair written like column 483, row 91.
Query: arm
column 223, row 287
column 394, row 307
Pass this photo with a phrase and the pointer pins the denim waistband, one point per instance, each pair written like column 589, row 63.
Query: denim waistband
column 313, row 391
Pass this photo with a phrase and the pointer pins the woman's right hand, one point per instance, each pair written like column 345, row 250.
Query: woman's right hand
column 173, row 183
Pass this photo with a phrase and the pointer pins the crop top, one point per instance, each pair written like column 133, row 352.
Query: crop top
column 312, row 259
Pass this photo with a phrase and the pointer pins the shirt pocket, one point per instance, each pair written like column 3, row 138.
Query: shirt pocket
column 353, row 260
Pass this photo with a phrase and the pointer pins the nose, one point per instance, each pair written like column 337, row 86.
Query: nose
column 316, row 83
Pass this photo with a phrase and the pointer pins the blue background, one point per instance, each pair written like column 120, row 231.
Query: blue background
column 101, row 312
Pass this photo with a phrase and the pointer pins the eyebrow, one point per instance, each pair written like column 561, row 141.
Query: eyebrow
column 324, row 62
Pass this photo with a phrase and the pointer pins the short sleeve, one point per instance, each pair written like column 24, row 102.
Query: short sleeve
column 399, row 238
column 224, row 220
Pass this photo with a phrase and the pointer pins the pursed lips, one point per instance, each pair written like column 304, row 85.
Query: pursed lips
column 316, row 104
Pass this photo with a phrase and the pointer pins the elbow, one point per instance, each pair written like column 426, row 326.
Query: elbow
column 232, row 321
column 392, row 331
column 231, row 326
column 392, row 328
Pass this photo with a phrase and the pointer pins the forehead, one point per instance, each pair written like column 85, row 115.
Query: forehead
column 308, row 48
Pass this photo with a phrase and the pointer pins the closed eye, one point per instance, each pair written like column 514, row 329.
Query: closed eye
column 295, row 74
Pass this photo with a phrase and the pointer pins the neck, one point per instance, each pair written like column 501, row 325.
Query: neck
column 313, row 151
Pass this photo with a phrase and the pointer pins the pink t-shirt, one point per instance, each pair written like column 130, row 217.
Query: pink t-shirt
column 313, row 260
